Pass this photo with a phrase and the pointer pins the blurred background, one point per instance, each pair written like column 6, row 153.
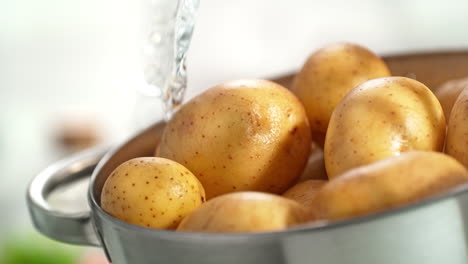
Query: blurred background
column 70, row 72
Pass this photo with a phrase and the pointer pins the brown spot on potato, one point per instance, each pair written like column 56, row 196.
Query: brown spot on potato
column 294, row 130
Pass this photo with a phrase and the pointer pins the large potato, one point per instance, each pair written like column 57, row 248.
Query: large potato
column 387, row 184
column 328, row 75
column 448, row 93
column 240, row 135
column 151, row 192
column 381, row 118
column 457, row 133
column 245, row 212
column 305, row 191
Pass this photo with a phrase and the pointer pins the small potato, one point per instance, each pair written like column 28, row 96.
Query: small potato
column 245, row 212
column 241, row 135
column 304, row 192
column 315, row 168
column 448, row 93
column 387, row 184
column 151, row 192
column 381, row 118
column 328, row 75
column 457, row 133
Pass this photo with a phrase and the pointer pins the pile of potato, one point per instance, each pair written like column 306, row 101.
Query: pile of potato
column 246, row 155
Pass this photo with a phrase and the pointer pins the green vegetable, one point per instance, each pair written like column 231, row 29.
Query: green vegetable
column 33, row 248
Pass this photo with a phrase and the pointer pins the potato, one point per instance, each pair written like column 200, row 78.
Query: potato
column 387, row 184
column 315, row 168
column 381, row 118
column 151, row 192
column 304, row 192
column 448, row 93
column 241, row 135
column 245, row 212
column 328, row 75
column 457, row 133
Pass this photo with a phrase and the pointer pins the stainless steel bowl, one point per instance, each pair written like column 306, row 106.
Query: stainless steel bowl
column 432, row 231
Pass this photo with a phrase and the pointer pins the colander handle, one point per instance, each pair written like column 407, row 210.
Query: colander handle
column 75, row 228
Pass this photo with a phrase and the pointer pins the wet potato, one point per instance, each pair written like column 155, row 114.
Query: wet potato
column 241, row 135
column 387, row 184
column 448, row 93
column 381, row 118
column 457, row 132
column 151, row 192
column 245, row 212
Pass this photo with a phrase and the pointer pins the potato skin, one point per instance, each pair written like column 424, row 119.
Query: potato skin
column 245, row 212
column 315, row 167
column 151, row 192
column 305, row 191
column 387, row 184
column 457, row 132
column 241, row 135
column 448, row 93
column 381, row 118
column 328, row 75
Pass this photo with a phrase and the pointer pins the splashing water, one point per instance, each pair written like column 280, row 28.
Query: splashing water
column 185, row 21
column 171, row 27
